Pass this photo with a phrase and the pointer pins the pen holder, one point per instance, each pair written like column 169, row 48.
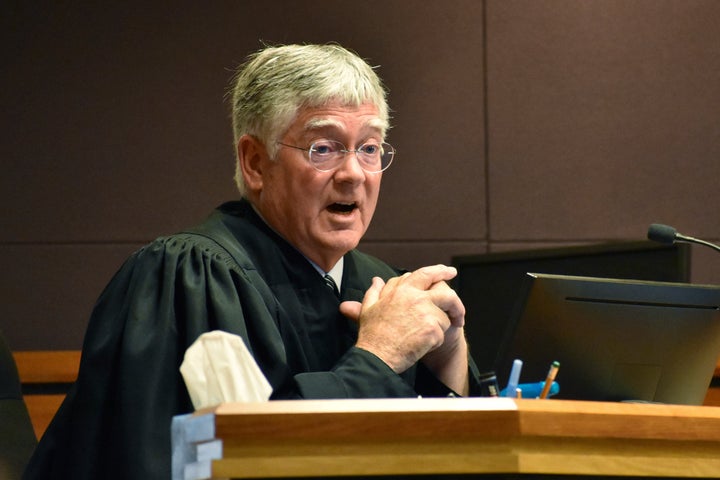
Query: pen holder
column 533, row 390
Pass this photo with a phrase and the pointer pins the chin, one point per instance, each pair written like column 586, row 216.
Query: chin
column 344, row 242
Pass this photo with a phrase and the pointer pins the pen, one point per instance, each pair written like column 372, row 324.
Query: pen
column 550, row 379
column 489, row 385
column 514, row 378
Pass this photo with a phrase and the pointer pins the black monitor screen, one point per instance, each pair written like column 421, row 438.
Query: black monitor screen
column 489, row 285
column 617, row 340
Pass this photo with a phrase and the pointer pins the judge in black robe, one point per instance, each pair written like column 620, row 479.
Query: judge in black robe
column 237, row 274
column 231, row 273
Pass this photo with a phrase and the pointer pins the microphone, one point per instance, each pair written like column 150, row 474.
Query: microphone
column 668, row 235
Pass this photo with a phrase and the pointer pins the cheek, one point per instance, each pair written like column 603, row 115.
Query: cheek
column 371, row 201
column 373, row 191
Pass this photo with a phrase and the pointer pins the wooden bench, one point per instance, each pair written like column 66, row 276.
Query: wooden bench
column 46, row 376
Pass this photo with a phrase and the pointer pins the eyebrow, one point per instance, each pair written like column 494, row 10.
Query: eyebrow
column 321, row 123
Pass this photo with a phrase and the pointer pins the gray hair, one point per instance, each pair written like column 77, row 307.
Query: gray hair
column 270, row 88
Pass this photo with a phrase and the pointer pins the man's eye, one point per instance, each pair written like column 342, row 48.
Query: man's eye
column 371, row 149
column 324, row 148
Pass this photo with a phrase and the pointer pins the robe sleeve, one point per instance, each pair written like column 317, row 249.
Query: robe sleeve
column 360, row 374
column 115, row 422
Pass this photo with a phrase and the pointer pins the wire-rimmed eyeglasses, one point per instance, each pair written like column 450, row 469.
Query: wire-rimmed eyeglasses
column 327, row 155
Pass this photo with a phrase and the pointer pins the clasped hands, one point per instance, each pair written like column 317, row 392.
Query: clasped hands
column 415, row 317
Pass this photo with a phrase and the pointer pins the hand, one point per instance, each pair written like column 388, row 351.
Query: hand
column 408, row 317
column 449, row 362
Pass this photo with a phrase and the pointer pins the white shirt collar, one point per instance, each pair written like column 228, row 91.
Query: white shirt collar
column 335, row 272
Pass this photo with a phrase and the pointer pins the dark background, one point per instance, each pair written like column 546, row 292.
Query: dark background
column 518, row 125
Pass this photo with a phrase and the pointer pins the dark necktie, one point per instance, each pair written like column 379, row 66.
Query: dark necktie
column 331, row 283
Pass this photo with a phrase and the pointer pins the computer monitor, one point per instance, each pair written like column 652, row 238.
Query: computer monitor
column 489, row 284
column 616, row 340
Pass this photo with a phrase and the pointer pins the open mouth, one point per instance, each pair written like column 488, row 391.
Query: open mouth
column 342, row 207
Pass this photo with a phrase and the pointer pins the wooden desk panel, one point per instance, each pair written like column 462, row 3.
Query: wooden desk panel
column 713, row 395
column 47, row 374
column 459, row 436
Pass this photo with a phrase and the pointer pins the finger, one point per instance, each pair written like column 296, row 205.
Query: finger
column 373, row 293
column 351, row 310
column 446, row 299
column 425, row 277
column 393, row 282
column 444, row 322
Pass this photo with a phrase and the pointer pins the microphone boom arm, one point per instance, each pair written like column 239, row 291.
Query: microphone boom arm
column 684, row 238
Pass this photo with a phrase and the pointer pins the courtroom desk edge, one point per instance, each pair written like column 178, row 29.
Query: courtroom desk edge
column 468, row 435
column 457, row 417
column 367, row 418
column 619, row 420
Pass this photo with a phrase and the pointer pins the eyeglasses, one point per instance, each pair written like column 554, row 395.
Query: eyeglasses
column 327, row 155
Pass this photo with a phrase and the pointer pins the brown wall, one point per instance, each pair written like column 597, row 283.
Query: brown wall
column 519, row 124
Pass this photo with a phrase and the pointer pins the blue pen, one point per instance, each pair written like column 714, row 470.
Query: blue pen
column 510, row 390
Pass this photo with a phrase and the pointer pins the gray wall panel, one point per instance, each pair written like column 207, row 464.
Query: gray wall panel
column 48, row 291
column 592, row 118
column 603, row 117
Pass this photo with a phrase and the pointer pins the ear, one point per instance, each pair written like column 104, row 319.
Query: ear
column 251, row 154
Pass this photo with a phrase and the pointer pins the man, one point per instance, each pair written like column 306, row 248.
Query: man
column 309, row 124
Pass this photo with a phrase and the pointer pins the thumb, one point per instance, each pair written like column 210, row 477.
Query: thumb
column 353, row 309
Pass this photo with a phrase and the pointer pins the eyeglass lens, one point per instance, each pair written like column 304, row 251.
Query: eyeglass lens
column 373, row 157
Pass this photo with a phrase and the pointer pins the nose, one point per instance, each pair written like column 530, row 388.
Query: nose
column 350, row 170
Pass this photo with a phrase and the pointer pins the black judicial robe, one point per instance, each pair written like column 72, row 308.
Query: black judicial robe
column 231, row 273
